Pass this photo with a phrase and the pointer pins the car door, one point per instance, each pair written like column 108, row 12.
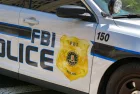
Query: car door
column 9, row 16
column 58, row 50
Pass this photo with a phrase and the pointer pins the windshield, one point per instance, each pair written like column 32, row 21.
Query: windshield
column 129, row 6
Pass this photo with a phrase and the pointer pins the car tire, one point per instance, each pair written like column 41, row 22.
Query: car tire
column 125, row 80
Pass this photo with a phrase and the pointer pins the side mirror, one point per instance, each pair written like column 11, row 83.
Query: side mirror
column 114, row 6
column 70, row 11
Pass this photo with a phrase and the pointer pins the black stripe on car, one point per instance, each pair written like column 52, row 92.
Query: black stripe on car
column 111, row 53
column 15, row 30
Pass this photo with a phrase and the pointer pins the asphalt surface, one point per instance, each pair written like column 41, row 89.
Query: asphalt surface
column 13, row 86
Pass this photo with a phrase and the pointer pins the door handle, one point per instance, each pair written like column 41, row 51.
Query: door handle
column 31, row 21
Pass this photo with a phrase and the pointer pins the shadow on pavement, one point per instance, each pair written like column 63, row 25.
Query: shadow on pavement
column 44, row 92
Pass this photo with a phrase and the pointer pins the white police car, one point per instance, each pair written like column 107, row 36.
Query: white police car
column 73, row 46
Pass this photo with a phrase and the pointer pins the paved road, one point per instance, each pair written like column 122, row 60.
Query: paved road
column 13, row 86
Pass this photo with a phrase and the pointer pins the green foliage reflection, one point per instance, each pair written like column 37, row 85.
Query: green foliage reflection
column 132, row 6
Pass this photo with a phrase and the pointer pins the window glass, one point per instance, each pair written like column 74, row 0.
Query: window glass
column 26, row 4
column 18, row 3
column 51, row 5
column 128, row 6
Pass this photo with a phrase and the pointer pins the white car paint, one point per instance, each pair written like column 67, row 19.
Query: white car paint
column 120, row 31
column 10, row 16
column 69, row 27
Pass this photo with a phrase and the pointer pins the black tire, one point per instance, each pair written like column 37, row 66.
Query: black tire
column 125, row 80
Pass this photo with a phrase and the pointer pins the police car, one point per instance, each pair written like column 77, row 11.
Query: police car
column 73, row 46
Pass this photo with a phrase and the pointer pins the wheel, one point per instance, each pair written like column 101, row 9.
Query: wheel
column 125, row 80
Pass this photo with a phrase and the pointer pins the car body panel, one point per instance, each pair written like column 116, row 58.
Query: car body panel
column 107, row 53
column 9, row 15
column 72, row 28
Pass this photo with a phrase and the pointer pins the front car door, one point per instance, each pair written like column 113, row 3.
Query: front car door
column 58, row 50
column 9, row 16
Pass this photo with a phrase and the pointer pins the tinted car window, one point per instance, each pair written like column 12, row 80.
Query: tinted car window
column 18, row 3
column 51, row 5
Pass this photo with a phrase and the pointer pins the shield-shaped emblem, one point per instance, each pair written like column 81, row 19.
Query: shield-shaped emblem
column 72, row 58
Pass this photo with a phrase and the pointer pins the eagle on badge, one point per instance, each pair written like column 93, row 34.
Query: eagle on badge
column 72, row 58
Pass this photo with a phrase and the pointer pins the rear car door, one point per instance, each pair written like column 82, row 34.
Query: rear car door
column 9, row 16
column 55, row 44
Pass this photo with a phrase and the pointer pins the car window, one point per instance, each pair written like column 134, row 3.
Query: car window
column 18, row 3
column 50, row 6
column 27, row 4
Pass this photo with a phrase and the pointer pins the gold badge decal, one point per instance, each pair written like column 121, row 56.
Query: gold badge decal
column 72, row 58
